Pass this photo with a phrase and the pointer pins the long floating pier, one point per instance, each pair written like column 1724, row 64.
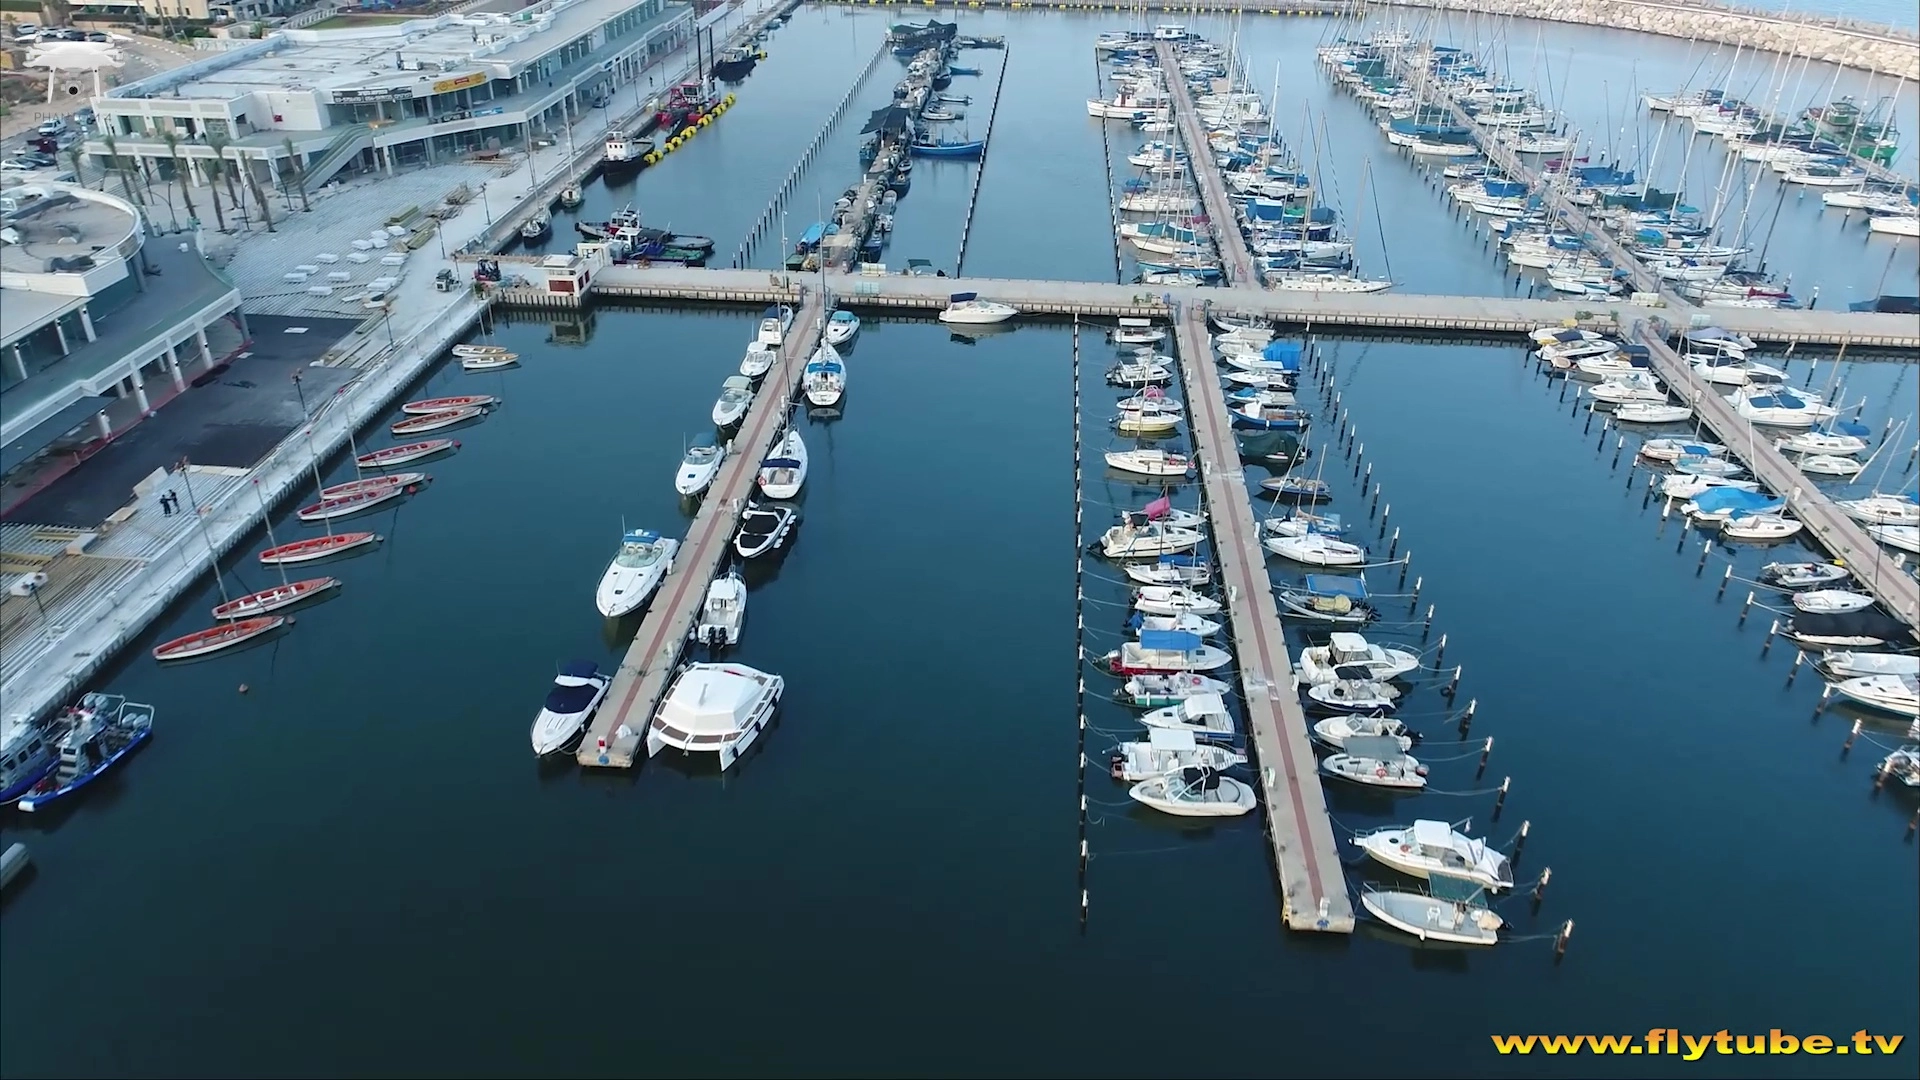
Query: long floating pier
column 1305, row 855
column 1235, row 256
column 615, row 737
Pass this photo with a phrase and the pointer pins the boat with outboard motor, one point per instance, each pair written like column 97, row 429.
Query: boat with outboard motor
column 1161, row 652
column 1197, row 791
column 1351, row 656
column 1334, row 731
column 1453, row 912
column 723, row 614
column 1896, row 694
column 104, row 729
column 1167, row 750
column 1376, row 761
column 1173, row 600
column 1428, row 849
column 1161, row 691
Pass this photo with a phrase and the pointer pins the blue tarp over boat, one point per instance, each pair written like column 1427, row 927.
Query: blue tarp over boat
column 1169, row 640
column 1352, row 588
column 1284, row 353
column 1717, row 500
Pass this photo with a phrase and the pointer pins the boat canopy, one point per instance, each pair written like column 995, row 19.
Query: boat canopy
column 1181, row 560
column 1778, row 399
column 962, row 297
column 1457, row 890
column 1169, row 641
column 572, row 695
column 1374, row 747
column 1433, row 834
column 814, row 234
column 579, row 669
column 640, row 536
column 1352, row 588
column 780, row 463
column 1171, row 739
column 1867, row 622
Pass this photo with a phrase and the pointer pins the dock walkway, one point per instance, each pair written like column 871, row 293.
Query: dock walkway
column 1305, row 854
column 615, row 737
column 1235, row 255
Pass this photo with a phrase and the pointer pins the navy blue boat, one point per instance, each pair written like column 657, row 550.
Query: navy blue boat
column 106, row 728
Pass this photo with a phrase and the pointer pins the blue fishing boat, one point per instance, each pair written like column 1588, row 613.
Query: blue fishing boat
column 956, row 70
column 105, row 728
column 27, row 755
column 948, row 149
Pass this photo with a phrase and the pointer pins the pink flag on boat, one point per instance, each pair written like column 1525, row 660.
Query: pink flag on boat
column 1159, row 508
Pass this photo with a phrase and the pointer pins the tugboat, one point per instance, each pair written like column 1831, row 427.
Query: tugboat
column 736, row 63
column 625, row 154
column 106, row 727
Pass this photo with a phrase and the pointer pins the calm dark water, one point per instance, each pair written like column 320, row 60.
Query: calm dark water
column 356, row 867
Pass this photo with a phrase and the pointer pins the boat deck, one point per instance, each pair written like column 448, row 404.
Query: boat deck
column 615, row 737
column 1878, row 572
column 1235, row 256
column 1305, row 854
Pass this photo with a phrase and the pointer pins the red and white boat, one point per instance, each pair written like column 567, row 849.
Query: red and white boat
column 214, row 639
column 436, row 421
column 256, row 604
column 371, row 483
column 405, row 454
column 328, row 509
column 318, row 547
column 442, row 404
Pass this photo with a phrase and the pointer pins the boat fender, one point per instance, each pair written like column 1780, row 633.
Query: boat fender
column 1382, row 773
column 1404, row 848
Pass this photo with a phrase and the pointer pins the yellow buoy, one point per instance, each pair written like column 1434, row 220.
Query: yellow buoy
column 705, row 120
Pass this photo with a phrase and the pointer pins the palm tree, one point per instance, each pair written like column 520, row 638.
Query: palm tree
column 179, row 175
column 212, row 168
column 116, row 164
column 218, row 142
column 73, row 159
column 260, row 197
column 299, row 175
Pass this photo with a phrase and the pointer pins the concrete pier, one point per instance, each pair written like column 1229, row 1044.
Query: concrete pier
column 618, row 732
column 1305, row 854
column 1235, row 256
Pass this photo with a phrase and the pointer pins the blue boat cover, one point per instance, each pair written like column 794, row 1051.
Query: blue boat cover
column 815, row 232
column 1714, row 500
column 1170, row 640
column 1779, row 399
column 780, row 463
column 1284, row 353
column 962, row 297
column 1179, row 560
column 579, row 669
column 640, row 536
column 1352, row 588
column 1849, row 427
column 571, row 699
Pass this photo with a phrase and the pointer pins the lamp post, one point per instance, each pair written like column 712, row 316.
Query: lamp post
column 302, row 392
column 484, row 207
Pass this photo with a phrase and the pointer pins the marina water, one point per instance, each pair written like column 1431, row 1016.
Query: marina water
column 354, row 866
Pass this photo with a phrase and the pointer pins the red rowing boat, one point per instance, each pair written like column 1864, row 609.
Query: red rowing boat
column 255, row 604
column 442, row 404
column 436, row 421
column 328, row 509
column 224, row 636
column 318, row 547
column 401, row 455
column 371, row 483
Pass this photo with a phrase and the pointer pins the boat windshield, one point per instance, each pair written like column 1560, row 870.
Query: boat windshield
column 702, row 455
column 635, row 554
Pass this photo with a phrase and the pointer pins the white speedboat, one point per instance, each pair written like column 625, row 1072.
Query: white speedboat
column 1300, row 522
column 736, row 394
column 724, row 613
column 1204, row 715
column 1878, row 509
column 1352, row 656
column 1354, row 696
column 784, row 471
column 1649, row 412
column 1150, row 462
column 1897, row 694
column 1802, row 575
column 1671, row 450
column 1173, row 600
column 1831, row 601
column 1682, row 486
column 841, row 327
column 1830, row 465
column 1150, row 417
column 1132, row 539
column 577, row 692
column 1167, row 750
column 825, row 379
column 1779, row 407
column 1902, row 537
column 774, row 323
column 1164, row 652
column 1138, row 373
column 968, row 309
column 1622, row 389
column 1903, row 765
column 1428, row 849
column 1335, row 731
column 1138, row 332
column 489, row 362
column 1316, row 549
column 716, row 709
column 758, row 361
column 1376, row 762
column 1160, row 691
column 1434, row 918
column 635, row 572
column 699, row 467
column 764, row 529
column 1195, row 792
column 1760, row 528
column 1171, row 570
column 1846, row 664
column 1821, row 442
column 1186, row 624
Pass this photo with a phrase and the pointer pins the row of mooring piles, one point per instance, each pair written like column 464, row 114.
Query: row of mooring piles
column 763, row 226
column 980, row 170
column 1347, row 451
column 1079, row 619
column 1113, row 197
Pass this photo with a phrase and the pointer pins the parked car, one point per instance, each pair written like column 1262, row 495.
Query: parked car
column 26, row 32
column 99, row 35
column 15, row 165
column 37, row 159
column 54, row 128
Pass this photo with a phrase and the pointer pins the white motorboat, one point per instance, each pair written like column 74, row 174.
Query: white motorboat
column 1842, row 664
column 1316, row 549
column 1735, row 371
column 785, row 470
column 1548, row 335
column 841, row 327
column 1671, row 450
column 1682, row 486
column 1203, row 715
column 1830, row 465
column 1167, row 750
column 1895, row 224
column 825, row 379
column 1351, row 656
column 1132, row 539
column 1878, row 509
column 1140, row 372
column 1760, row 528
column 1150, row 462
column 1802, row 575
column 1160, row 691
column 1293, row 281
column 1460, row 921
column 635, row 572
column 773, row 327
column 724, row 613
column 1779, row 407
column 736, row 395
column 1334, row 731
column 969, row 310
column 764, row 529
column 1171, row 570
column 489, row 362
column 1354, row 695
column 1903, row 765
column 1164, row 652
column 1195, row 792
column 577, row 692
column 1138, row 332
column 1708, row 466
column 715, row 708
column 1428, row 849
column 1173, row 600
column 1376, row 762
column 1186, row 624
column 1902, row 537
column 1897, row 694
column 700, row 465
column 1148, row 415
column 758, row 361
column 1821, row 442
column 1623, row 389
column 1831, row 601
column 1647, row 412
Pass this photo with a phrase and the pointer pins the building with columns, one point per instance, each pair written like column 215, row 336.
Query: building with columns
column 302, row 106
column 99, row 324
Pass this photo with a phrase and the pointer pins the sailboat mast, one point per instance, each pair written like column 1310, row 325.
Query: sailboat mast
column 186, row 481
column 266, row 518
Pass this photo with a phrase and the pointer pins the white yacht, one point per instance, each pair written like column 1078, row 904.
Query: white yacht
column 1204, row 716
column 1900, row 537
column 785, row 470
column 1351, row 656
column 1821, row 442
column 1316, row 549
column 1897, row 694
column 1831, row 601
column 968, row 309
column 1336, row 731
column 577, row 692
column 736, row 395
column 1427, row 849
column 1779, row 407
column 715, row 709
column 700, row 465
column 1878, row 509
column 773, row 327
column 1377, row 761
column 759, row 360
column 1186, row 624
column 1173, row 600
column 635, row 572
column 1167, row 750
column 724, row 614
column 1845, row 664
column 1150, row 462
column 1650, row 412
column 841, row 327
column 1131, row 540
column 825, row 379
column 1195, row 792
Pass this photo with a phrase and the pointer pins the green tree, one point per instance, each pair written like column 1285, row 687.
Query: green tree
column 179, row 173
column 299, row 175
column 118, row 166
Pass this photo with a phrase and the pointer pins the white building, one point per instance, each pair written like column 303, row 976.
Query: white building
column 92, row 318
column 383, row 97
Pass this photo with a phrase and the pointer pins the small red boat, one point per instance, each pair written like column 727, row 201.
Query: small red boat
column 401, row 455
column 371, row 483
column 224, row 636
column 328, row 509
column 255, row 604
column 442, row 404
column 318, row 547
column 436, row 421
